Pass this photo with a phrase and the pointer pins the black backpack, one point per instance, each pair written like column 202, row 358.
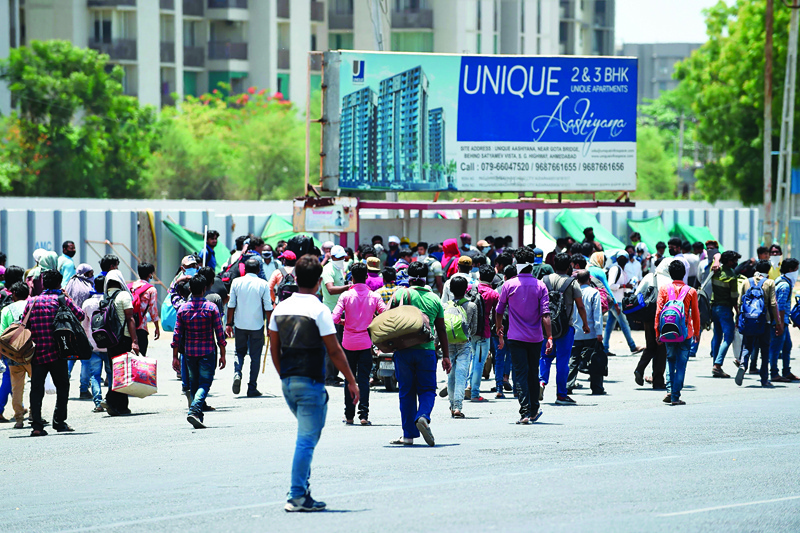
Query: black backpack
column 474, row 296
column 560, row 320
column 107, row 328
column 71, row 340
column 6, row 300
column 287, row 286
column 235, row 270
column 301, row 245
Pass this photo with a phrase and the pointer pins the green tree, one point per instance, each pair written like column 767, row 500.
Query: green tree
column 656, row 177
column 74, row 133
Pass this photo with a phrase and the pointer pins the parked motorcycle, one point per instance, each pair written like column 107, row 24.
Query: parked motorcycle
column 384, row 369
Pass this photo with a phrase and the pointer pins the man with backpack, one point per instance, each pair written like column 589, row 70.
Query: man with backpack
column 724, row 302
column 483, row 338
column 758, row 321
column 145, row 302
column 94, row 366
column 529, row 316
column 435, row 271
column 249, row 306
column 46, row 359
column 564, row 296
column 283, row 284
column 461, row 323
column 677, row 323
column 464, row 271
column 781, row 345
column 615, row 290
column 356, row 308
column 415, row 366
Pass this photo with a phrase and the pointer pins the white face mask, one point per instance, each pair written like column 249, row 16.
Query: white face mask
column 775, row 260
column 792, row 277
column 522, row 266
column 339, row 264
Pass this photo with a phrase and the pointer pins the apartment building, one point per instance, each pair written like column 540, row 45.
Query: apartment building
column 657, row 65
column 189, row 46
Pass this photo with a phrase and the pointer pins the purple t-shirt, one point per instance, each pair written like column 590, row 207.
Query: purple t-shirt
column 527, row 301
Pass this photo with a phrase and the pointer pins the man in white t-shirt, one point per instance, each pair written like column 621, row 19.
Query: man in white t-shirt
column 692, row 260
column 301, row 331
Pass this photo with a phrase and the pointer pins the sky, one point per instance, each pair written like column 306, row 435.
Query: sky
column 661, row 21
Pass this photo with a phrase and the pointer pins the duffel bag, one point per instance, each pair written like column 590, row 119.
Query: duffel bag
column 16, row 343
column 400, row 328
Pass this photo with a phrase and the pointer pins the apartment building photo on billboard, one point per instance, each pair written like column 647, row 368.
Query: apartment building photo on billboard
column 390, row 138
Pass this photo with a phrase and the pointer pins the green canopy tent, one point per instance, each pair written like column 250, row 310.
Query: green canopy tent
column 279, row 228
column 652, row 231
column 694, row 234
column 575, row 220
column 193, row 242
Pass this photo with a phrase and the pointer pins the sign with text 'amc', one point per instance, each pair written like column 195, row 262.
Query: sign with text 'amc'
column 430, row 122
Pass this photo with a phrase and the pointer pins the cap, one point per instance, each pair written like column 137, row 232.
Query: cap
column 538, row 254
column 465, row 260
column 188, row 260
column 337, row 252
column 405, row 240
column 327, row 244
column 482, row 243
column 466, row 236
column 373, row 264
column 394, row 239
column 288, row 255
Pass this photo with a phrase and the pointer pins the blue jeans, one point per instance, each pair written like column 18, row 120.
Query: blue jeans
column 615, row 316
column 722, row 316
column 252, row 342
column 93, row 370
column 780, row 347
column 502, row 363
column 84, row 382
column 308, row 401
column 677, row 357
column 201, row 375
column 561, row 352
column 416, row 378
column 184, row 374
column 460, row 357
column 749, row 345
column 5, row 389
column 480, row 351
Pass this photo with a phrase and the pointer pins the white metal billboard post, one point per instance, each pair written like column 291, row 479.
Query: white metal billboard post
column 768, row 228
column 205, row 244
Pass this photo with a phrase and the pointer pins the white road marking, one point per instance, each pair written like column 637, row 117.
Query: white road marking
column 730, row 506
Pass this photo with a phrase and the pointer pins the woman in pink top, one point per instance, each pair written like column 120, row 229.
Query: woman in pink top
column 356, row 309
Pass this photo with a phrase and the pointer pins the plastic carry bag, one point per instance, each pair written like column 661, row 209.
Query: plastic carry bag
column 134, row 375
column 49, row 386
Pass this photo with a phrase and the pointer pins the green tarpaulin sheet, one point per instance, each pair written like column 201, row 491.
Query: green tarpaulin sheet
column 652, row 231
column 193, row 242
column 280, row 229
column 575, row 220
column 694, row 234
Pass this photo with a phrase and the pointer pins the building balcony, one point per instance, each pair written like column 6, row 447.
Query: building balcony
column 117, row 49
column 167, row 52
column 422, row 18
column 227, row 4
column 337, row 21
column 283, row 58
column 192, row 8
column 111, row 3
column 167, row 5
column 317, row 11
column 283, row 9
column 194, row 56
column 226, row 50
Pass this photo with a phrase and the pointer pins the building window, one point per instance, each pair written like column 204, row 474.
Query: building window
column 478, row 43
column 342, row 7
column 167, row 27
column 410, row 5
column 341, row 41
column 101, row 22
column 189, row 34
column 127, row 26
column 313, row 41
column 412, row 41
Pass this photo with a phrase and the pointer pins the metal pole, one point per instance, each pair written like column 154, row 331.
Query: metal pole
column 308, row 122
column 791, row 72
column 205, row 244
column 768, row 227
column 377, row 26
column 680, row 143
column 782, row 150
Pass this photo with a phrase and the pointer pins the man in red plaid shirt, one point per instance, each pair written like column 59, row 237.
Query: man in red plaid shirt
column 197, row 323
column 46, row 359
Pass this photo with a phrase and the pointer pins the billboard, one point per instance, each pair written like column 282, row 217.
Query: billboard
column 431, row 122
column 327, row 214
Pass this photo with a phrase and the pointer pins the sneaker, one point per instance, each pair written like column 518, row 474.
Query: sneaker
column 425, row 430
column 253, row 393
column 507, row 386
column 303, row 504
column 493, row 389
column 668, row 398
column 195, row 421
column 564, row 400
column 637, row 376
column 499, row 396
column 443, row 393
column 541, row 391
column 479, row 399
column 237, row 383
column 739, row 376
column 537, row 417
column 85, row 395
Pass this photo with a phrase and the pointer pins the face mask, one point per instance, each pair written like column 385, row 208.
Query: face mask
column 486, row 249
column 421, row 257
column 70, row 254
column 775, row 260
column 190, row 271
column 339, row 264
column 792, row 277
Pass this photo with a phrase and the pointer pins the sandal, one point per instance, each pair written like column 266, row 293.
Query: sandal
column 347, row 422
column 458, row 414
column 524, row 421
column 19, row 425
column 401, row 441
column 365, row 422
column 679, row 402
column 64, row 429
column 38, row 433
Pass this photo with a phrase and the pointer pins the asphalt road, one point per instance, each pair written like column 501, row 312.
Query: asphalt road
column 727, row 461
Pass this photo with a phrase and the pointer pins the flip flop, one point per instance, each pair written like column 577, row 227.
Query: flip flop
column 400, row 441
column 347, row 422
column 458, row 414
column 38, row 433
column 365, row 422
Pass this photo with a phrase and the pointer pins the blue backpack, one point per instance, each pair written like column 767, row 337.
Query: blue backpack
column 753, row 311
column 795, row 313
column 672, row 320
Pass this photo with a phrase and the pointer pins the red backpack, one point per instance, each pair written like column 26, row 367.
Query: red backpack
column 138, row 312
